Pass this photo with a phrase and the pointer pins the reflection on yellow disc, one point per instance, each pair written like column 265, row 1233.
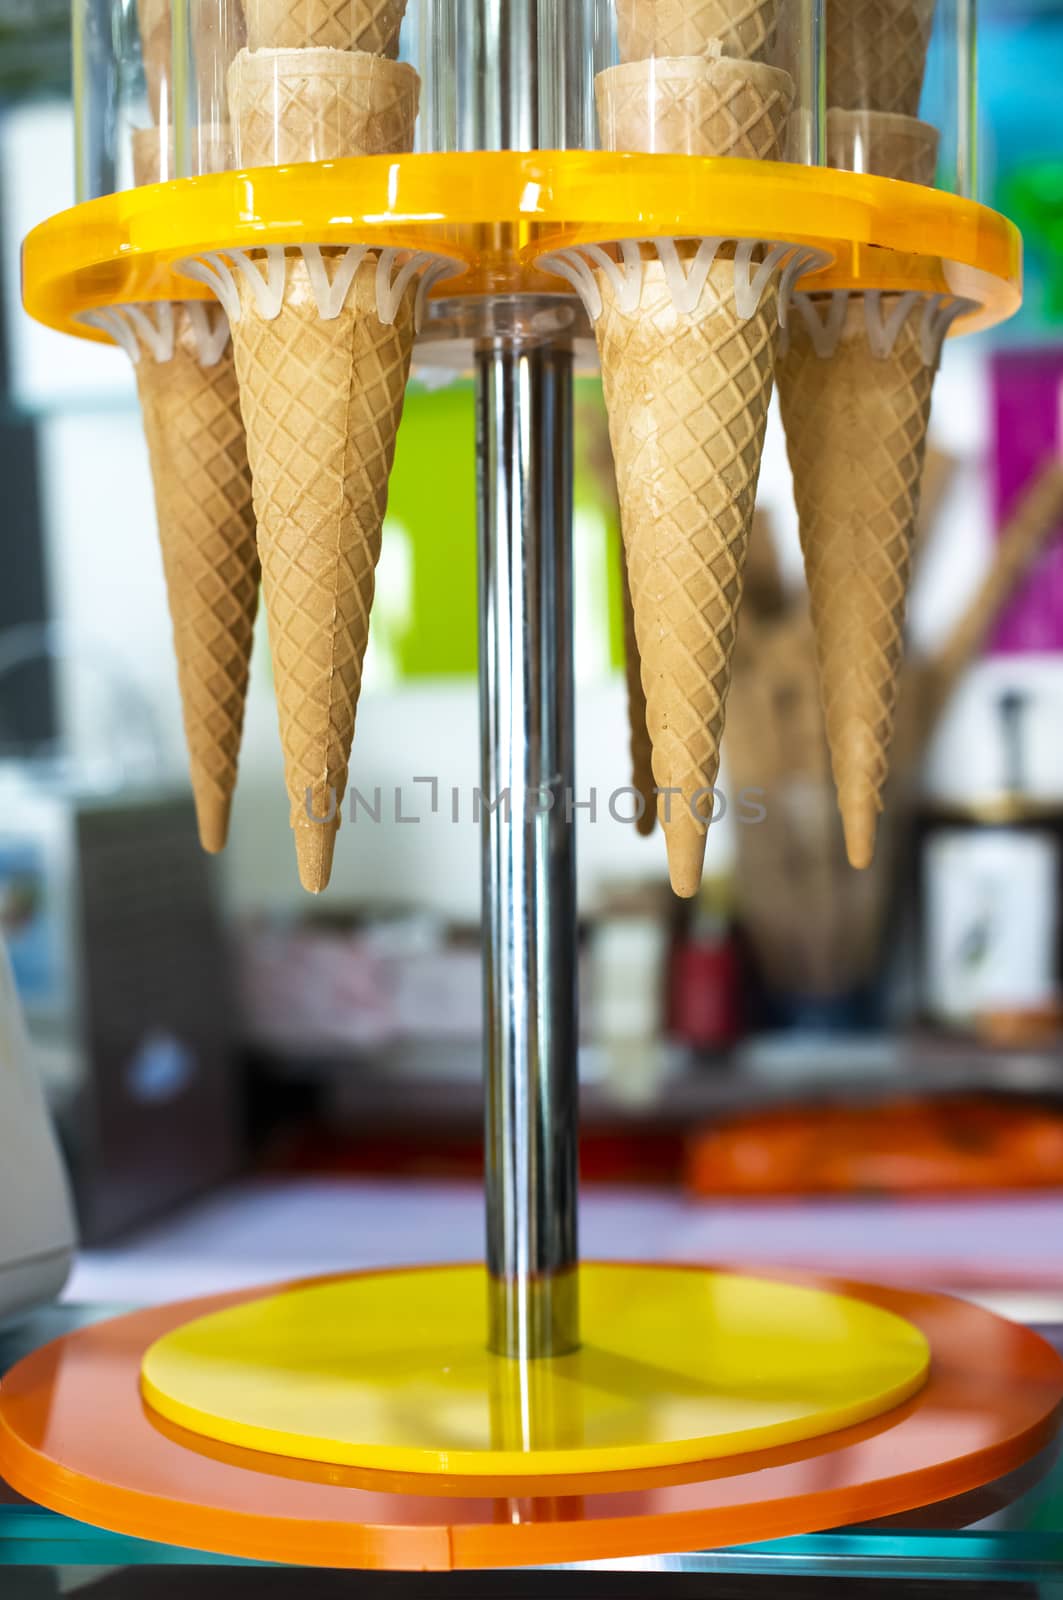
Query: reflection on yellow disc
column 389, row 1371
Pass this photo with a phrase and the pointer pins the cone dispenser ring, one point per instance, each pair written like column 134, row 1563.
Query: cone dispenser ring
column 282, row 205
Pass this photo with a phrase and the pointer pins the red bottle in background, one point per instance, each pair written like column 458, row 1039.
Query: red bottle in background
column 706, row 1009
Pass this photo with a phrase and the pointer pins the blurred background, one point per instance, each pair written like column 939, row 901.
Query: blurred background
column 781, row 1067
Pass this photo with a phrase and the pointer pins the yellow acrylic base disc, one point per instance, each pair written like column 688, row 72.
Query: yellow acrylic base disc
column 389, row 1371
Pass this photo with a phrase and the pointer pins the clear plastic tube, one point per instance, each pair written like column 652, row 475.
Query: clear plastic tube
column 307, row 80
column 120, row 89
column 246, row 82
column 902, row 92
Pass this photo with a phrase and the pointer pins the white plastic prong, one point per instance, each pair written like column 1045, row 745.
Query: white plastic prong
column 436, row 272
column 571, row 266
column 111, row 321
column 803, row 260
column 268, row 288
column 210, row 330
column 940, row 312
column 156, row 329
column 687, row 283
column 882, row 331
column 390, row 290
column 626, row 278
column 331, row 293
column 825, row 332
column 752, row 279
column 215, row 272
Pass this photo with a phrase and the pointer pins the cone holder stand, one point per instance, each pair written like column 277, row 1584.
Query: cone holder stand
column 499, row 212
column 539, row 1411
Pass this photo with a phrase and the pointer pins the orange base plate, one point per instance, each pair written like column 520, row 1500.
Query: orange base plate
column 76, row 1437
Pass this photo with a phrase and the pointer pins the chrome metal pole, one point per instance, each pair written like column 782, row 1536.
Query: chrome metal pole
column 528, row 91
column 967, row 153
column 524, row 406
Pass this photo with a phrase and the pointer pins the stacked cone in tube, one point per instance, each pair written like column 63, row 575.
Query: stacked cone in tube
column 670, row 28
column 370, row 26
column 198, row 454
column 322, row 399
column 883, row 143
column 856, row 421
column 687, row 394
column 319, row 105
column 876, row 54
column 156, row 49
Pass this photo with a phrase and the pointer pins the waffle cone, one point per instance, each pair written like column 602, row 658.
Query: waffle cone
column 202, row 483
column 322, row 402
column 156, row 49
column 370, row 25
column 641, row 743
column 687, row 396
column 710, row 107
column 154, row 163
column 742, row 28
column 877, row 53
column 856, row 428
column 883, row 143
column 320, row 105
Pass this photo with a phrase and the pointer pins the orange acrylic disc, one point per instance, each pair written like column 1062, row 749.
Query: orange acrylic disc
column 76, row 1437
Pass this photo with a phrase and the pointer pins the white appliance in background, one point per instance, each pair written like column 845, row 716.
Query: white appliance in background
column 118, row 954
column 36, row 1218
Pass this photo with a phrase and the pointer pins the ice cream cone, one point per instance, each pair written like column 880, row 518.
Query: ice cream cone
column 877, row 53
column 744, row 28
column 322, row 402
column 322, row 399
column 156, row 49
column 198, row 454
column 687, row 106
column 856, row 426
column 641, row 743
column 153, row 162
column 370, row 25
column 319, row 105
column 883, row 143
column 856, row 423
column 687, row 394
column 202, row 483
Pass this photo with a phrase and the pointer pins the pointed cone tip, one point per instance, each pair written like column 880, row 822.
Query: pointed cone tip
column 314, row 849
column 860, row 821
column 686, row 855
column 857, row 756
column 212, row 815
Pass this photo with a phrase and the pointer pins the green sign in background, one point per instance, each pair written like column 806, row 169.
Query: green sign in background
column 424, row 621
